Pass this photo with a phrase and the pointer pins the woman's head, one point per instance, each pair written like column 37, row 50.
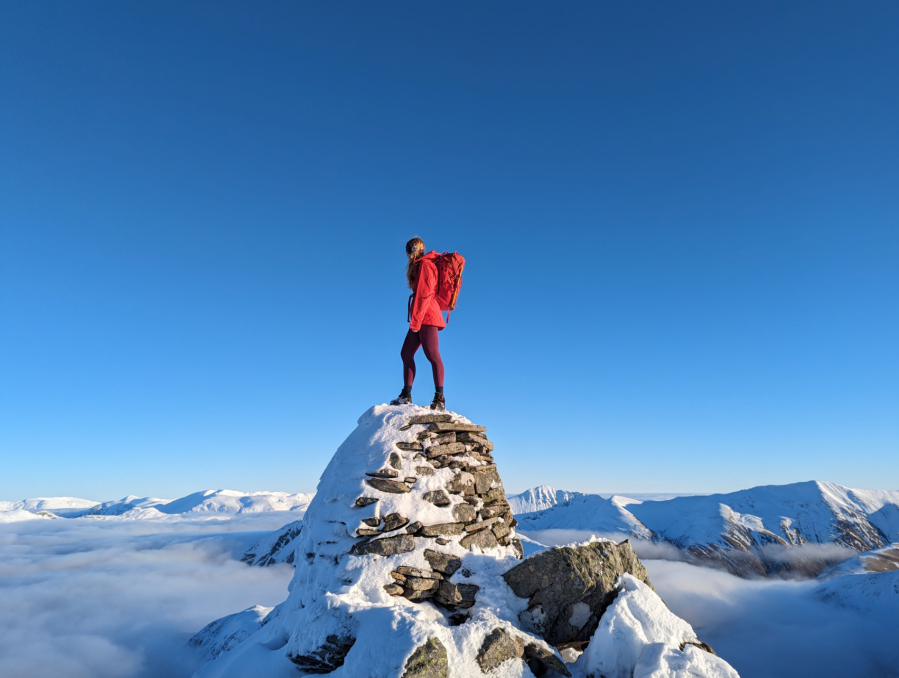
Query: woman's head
column 415, row 248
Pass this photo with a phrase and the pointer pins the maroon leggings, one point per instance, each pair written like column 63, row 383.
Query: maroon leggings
column 427, row 339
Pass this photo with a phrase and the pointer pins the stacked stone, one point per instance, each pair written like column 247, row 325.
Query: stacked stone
column 483, row 519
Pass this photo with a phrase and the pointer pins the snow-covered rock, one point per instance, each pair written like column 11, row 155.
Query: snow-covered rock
column 399, row 563
column 278, row 547
column 228, row 632
column 539, row 499
column 18, row 515
column 639, row 637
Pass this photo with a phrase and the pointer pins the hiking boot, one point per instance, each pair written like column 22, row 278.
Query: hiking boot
column 402, row 399
column 439, row 402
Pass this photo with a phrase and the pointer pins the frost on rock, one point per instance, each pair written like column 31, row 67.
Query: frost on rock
column 639, row 637
column 399, row 567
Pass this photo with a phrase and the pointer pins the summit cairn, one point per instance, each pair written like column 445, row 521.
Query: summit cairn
column 400, row 564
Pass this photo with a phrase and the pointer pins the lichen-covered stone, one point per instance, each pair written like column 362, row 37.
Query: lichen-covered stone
column 499, row 646
column 408, row 571
column 437, row 497
column 412, row 528
column 483, row 525
column 442, row 530
column 409, row 447
column 367, row 532
column 443, row 450
column 456, row 595
column 485, row 539
column 424, row 470
column 455, row 426
column 428, row 660
column 392, row 486
column 429, row 418
column 442, row 562
column 365, row 501
column 394, row 460
column 556, row 580
column 374, row 521
column 500, row 530
column 387, row 546
column 394, row 521
column 470, row 437
column 464, row 513
column 462, row 483
column 393, row 589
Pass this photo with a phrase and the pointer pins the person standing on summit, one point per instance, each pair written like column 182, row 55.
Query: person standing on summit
column 434, row 280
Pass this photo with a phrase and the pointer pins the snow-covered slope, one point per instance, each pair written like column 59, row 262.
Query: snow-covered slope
column 539, row 499
column 588, row 512
column 365, row 602
column 884, row 559
column 60, row 506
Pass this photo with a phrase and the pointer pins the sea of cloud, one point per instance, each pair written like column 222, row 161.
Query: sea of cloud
column 119, row 599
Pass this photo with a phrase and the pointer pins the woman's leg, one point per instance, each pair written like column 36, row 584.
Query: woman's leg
column 431, row 345
column 410, row 346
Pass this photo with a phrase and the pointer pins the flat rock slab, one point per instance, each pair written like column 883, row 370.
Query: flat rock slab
column 392, row 486
column 443, row 450
column 429, row 418
column 387, row 546
column 407, row 571
column 409, row 447
column 569, row 588
column 499, row 646
column 366, row 501
column 427, row 661
column 383, row 473
column 442, row 530
column 455, row 426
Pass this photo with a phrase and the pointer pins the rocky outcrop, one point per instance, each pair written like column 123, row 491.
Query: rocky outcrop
column 569, row 588
column 427, row 661
column 402, row 566
column 277, row 547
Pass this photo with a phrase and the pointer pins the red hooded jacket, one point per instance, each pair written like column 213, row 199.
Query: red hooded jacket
column 425, row 310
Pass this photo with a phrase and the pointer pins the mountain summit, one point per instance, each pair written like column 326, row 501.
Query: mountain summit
column 407, row 565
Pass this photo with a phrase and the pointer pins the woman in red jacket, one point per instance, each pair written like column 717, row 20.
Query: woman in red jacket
column 426, row 322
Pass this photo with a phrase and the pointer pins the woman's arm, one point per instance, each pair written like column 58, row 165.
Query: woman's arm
column 425, row 289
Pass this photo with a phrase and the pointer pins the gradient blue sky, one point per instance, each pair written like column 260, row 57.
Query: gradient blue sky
column 681, row 222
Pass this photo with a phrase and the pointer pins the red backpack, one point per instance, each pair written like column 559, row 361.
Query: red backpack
column 449, row 282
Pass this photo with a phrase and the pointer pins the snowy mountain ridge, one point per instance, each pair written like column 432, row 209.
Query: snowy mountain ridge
column 749, row 532
column 207, row 502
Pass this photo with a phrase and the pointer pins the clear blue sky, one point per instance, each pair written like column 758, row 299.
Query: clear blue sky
column 681, row 222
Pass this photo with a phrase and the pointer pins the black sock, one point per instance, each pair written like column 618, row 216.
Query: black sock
column 407, row 391
column 439, row 390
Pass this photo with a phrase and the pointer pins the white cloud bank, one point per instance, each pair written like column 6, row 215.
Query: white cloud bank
column 778, row 628
column 109, row 599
